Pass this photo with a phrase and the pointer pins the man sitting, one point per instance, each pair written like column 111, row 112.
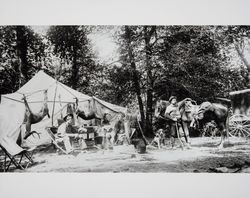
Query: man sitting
column 67, row 128
column 119, row 130
column 64, row 129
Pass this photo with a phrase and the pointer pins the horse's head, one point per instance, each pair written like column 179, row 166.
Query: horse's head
column 203, row 108
column 160, row 107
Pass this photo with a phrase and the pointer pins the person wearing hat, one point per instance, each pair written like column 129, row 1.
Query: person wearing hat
column 106, row 118
column 173, row 114
column 65, row 128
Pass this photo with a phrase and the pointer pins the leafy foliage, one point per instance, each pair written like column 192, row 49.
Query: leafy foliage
column 21, row 54
column 71, row 44
column 155, row 62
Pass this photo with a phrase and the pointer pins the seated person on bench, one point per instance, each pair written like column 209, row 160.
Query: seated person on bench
column 65, row 129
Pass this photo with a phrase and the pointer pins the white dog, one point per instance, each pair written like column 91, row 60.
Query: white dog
column 159, row 138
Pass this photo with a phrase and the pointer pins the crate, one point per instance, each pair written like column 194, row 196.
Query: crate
column 90, row 134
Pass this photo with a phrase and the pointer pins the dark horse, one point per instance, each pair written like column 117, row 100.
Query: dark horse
column 207, row 112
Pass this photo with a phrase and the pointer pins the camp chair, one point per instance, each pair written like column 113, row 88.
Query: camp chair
column 54, row 139
column 28, row 153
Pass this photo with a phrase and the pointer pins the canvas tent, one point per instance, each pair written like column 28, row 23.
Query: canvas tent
column 12, row 108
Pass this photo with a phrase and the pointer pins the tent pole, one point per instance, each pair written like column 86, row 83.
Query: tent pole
column 53, row 110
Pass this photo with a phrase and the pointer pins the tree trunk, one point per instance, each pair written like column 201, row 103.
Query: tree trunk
column 135, row 75
column 22, row 51
column 149, row 105
column 75, row 71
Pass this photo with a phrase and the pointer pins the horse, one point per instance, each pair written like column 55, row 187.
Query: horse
column 33, row 118
column 207, row 112
column 187, row 108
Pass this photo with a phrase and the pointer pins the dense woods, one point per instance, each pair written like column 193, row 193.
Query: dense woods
column 155, row 62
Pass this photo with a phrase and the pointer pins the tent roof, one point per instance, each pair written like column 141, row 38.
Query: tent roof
column 40, row 82
column 57, row 92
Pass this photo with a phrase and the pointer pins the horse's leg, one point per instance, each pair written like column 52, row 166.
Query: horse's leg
column 172, row 134
column 222, row 133
column 181, row 132
column 186, row 133
column 159, row 143
column 221, row 145
column 115, row 137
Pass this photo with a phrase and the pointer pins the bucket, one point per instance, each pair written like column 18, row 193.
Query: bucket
column 139, row 145
column 98, row 140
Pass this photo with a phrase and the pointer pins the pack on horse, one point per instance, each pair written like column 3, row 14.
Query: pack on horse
column 188, row 108
column 33, row 118
column 207, row 112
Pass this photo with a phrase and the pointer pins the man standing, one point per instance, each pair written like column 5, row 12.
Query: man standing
column 173, row 114
column 119, row 127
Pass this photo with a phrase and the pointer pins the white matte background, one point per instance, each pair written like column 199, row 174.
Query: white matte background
column 115, row 12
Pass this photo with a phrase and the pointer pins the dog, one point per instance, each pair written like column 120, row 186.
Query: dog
column 159, row 138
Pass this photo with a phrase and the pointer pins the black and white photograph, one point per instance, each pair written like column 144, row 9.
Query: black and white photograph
column 125, row 98
column 115, row 98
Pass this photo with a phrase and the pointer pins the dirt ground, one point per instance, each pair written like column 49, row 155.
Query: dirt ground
column 204, row 156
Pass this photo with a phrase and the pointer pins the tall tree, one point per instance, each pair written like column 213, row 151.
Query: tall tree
column 136, row 81
column 187, row 61
column 72, row 45
column 21, row 52
column 237, row 38
column 148, row 34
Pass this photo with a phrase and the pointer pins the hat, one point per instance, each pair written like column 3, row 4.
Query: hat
column 172, row 97
column 69, row 114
